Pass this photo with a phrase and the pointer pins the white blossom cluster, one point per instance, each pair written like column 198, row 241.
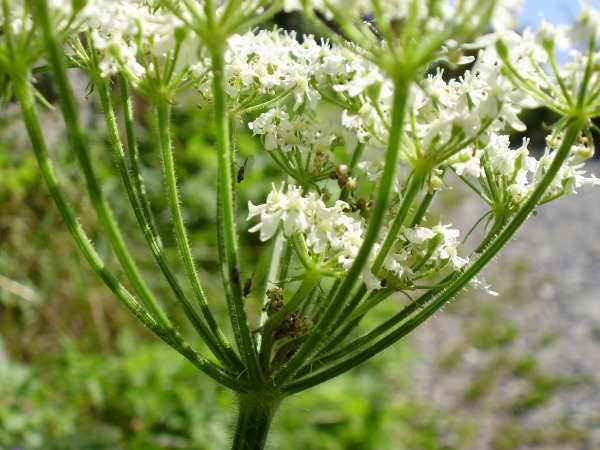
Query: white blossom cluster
column 331, row 233
column 457, row 123
column 478, row 104
column 134, row 36
column 268, row 63
column 519, row 172
column 272, row 62
column 571, row 176
column 421, row 249
column 120, row 29
column 289, row 131
column 21, row 22
column 335, row 234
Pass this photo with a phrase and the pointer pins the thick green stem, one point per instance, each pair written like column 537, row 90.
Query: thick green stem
column 227, row 235
column 381, row 204
column 79, row 143
column 458, row 283
column 255, row 414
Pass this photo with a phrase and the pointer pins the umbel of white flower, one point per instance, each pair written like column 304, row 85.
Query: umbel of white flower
column 334, row 235
column 366, row 128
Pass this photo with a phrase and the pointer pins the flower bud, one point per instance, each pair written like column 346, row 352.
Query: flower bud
column 502, row 49
column 435, row 183
column 582, row 153
column 181, row 33
column 78, row 5
column 343, row 169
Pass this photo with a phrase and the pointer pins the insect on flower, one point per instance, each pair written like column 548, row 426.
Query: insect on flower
column 340, row 174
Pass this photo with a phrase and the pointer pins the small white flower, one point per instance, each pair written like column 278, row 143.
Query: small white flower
column 418, row 235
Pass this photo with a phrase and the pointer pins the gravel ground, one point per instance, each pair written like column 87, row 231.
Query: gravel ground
column 549, row 284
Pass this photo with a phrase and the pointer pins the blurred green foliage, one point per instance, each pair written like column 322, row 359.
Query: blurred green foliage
column 147, row 397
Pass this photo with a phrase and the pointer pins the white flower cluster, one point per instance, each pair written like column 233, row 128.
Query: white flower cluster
column 466, row 104
column 447, row 116
column 514, row 167
column 21, row 20
column 417, row 253
column 267, row 64
column 478, row 104
column 515, row 170
column 131, row 34
column 331, row 233
column 571, row 177
column 335, row 234
column 271, row 62
column 302, row 132
column 519, row 172
column 125, row 34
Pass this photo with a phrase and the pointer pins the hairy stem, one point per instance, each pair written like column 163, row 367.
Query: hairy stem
column 227, row 235
column 134, row 156
column 79, row 143
column 209, row 335
column 24, row 95
column 216, row 337
column 255, row 414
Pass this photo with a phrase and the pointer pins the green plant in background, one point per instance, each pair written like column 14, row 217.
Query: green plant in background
column 365, row 140
column 148, row 397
